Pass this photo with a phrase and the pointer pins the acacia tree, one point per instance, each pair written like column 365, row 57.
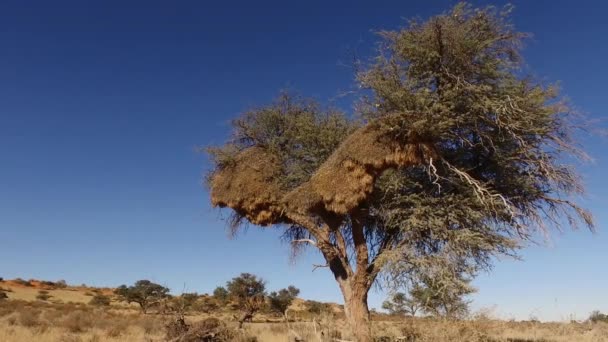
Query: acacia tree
column 401, row 304
column 281, row 300
column 458, row 157
column 248, row 292
column 144, row 292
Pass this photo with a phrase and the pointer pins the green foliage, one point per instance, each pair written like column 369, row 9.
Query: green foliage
column 100, row 300
column 400, row 304
column 221, row 294
column 245, row 286
column 296, row 131
column 247, row 291
column 281, row 300
column 443, row 298
column 207, row 304
column 597, row 316
column 144, row 292
column 501, row 139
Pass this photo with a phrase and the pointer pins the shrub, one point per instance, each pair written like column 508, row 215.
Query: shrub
column 597, row 316
column 77, row 322
column 221, row 294
column 210, row 329
column 29, row 318
column 315, row 307
column 61, row 284
column 281, row 300
column 3, row 295
column 22, row 282
column 43, row 295
column 143, row 292
column 100, row 300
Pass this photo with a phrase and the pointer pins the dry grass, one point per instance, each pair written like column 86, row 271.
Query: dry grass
column 39, row 321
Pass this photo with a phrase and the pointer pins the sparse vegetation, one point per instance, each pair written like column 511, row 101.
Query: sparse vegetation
column 144, row 292
column 22, row 282
column 100, row 300
column 43, row 295
column 221, row 294
column 46, row 321
column 597, row 316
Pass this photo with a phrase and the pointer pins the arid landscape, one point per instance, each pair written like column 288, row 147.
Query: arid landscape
column 70, row 315
column 301, row 171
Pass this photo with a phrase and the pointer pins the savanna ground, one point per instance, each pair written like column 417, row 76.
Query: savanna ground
column 66, row 317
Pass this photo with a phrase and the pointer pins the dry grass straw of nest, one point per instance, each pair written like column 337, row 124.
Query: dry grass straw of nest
column 249, row 183
column 348, row 176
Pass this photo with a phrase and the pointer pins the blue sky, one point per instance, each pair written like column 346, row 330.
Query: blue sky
column 102, row 104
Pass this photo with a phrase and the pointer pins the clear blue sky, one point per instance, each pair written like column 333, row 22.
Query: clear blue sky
column 102, row 104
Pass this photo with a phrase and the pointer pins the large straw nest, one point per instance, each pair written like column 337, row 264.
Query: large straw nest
column 347, row 177
column 249, row 184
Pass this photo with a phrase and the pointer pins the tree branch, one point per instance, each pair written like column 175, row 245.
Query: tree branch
column 309, row 241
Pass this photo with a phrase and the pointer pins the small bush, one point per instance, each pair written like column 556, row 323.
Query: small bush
column 77, row 322
column 22, row 282
column 29, row 318
column 210, row 329
column 597, row 316
column 100, row 300
column 43, row 295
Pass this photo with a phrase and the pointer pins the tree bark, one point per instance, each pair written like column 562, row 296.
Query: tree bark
column 357, row 312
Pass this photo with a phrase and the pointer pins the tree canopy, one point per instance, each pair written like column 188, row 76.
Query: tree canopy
column 248, row 292
column 281, row 300
column 144, row 292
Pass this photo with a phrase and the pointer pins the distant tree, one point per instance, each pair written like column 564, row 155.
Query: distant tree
column 144, row 292
column 189, row 299
column 61, row 284
column 43, row 295
column 100, row 300
column 597, row 316
column 221, row 294
column 206, row 304
column 460, row 155
column 281, row 300
column 248, row 292
column 22, row 282
column 401, row 304
column 443, row 298
column 182, row 303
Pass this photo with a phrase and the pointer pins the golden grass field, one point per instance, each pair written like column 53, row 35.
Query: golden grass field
column 70, row 319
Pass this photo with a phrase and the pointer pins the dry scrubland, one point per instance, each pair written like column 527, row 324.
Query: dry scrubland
column 67, row 318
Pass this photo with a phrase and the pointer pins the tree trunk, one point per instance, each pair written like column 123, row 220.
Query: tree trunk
column 357, row 312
